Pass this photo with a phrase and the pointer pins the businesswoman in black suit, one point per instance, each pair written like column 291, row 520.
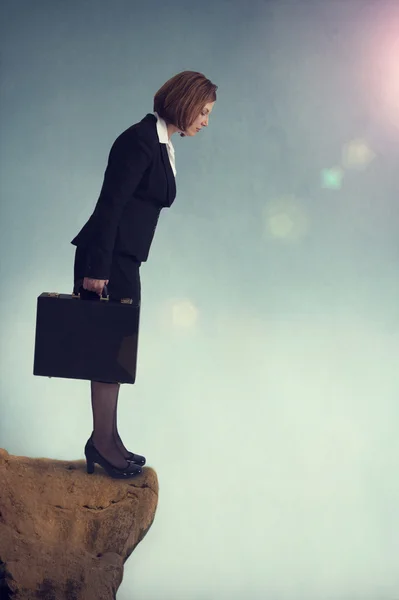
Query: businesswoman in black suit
column 138, row 182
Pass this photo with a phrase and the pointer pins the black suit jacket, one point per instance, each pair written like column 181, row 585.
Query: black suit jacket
column 138, row 183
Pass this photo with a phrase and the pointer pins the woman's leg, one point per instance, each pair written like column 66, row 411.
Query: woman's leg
column 124, row 283
column 122, row 449
column 104, row 399
column 104, row 396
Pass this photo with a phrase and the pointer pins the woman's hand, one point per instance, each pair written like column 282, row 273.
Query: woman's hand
column 94, row 285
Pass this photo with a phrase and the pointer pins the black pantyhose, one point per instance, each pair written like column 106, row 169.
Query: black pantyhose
column 117, row 438
column 104, row 401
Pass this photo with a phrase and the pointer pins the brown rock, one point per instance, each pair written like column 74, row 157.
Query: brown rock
column 64, row 534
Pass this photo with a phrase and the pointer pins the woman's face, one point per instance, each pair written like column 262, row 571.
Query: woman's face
column 201, row 121
column 198, row 123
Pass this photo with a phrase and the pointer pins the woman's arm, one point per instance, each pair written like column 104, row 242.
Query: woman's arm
column 128, row 160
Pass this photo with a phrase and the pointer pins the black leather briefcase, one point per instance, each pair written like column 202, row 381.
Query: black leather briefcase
column 86, row 339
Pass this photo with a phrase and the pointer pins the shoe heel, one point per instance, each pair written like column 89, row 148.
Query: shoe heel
column 89, row 466
column 93, row 456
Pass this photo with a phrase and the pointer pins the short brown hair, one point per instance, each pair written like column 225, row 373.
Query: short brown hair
column 180, row 100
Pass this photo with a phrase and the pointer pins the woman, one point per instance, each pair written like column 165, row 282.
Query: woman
column 138, row 182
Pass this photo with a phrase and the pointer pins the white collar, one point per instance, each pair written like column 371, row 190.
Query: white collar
column 162, row 131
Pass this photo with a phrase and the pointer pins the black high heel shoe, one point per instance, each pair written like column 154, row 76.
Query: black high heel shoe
column 136, row 459
column 93, row 456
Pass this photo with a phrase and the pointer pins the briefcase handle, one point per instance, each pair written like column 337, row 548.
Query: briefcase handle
column 105, row 296
column 104, row 293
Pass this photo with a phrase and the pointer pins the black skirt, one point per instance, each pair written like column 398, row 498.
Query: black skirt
column 124, row 281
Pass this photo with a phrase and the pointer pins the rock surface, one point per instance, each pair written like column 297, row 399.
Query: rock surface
column 64, row 534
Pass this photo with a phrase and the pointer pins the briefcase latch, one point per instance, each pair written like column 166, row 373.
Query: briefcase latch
column 53, row 294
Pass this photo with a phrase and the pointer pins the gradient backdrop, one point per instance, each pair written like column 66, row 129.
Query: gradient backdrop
column 268, row 382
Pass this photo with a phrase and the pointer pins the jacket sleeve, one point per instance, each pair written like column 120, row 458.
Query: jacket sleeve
column 128, row 160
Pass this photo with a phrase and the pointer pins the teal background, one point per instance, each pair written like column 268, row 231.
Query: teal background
column 267, row 388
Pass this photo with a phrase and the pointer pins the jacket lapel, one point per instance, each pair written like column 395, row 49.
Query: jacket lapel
column 170, row 178
column 171, row 194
